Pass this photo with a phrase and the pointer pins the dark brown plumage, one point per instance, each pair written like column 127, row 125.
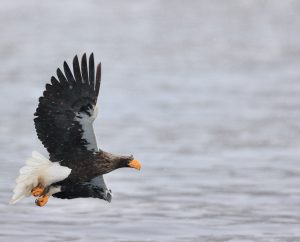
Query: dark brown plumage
column 63, row 123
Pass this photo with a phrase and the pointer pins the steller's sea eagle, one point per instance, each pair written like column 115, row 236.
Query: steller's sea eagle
column 64, row 123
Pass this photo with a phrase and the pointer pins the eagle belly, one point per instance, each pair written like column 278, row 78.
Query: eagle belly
column 38, row 170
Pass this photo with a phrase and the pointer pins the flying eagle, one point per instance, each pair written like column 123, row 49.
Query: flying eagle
column 64, row 123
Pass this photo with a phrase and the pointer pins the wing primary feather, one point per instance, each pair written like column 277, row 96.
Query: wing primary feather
column 84, row 69
column 64, row 117
column 68, row 73
column 98, row 78
column 92, row 70
column 54, row 81
column 61, row 76
column 48, row 87
column 76, row 69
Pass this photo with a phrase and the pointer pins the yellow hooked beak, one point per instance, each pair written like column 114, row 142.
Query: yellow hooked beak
column 135, row 164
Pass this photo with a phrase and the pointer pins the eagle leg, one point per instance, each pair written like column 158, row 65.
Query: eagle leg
column 37, row 191
column 41, row 201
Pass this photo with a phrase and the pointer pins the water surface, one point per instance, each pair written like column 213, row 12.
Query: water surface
column 205, row 93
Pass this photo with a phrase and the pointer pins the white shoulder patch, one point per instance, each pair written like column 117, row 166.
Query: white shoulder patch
column 86, row 123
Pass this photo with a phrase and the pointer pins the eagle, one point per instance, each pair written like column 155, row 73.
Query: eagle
column 64, row 124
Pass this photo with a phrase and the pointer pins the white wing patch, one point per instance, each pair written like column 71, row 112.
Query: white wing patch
column 99, row 181
column 86, row 122
column 38, row 170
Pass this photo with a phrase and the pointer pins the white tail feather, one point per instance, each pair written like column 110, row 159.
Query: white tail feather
column 38, row 170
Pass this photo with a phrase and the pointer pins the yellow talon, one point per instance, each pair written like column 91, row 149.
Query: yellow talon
column 42, row 201
column 37, row 191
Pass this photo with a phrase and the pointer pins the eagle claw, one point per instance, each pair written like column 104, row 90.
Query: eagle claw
column 42, row 201
column 37, row 191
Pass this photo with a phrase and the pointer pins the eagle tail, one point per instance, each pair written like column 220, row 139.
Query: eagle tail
column 38, row 170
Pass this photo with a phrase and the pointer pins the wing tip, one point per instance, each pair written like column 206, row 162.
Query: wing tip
column 98, row 78
column 75, row 58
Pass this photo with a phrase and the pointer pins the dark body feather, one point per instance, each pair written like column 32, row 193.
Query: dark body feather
column 83, row 190
column 64, row 124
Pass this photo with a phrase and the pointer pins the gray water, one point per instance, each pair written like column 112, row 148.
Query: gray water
column 205, row 93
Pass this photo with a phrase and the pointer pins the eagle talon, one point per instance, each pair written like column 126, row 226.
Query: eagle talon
column 42, row 201
column 37, row 191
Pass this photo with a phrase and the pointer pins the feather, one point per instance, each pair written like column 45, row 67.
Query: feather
column 68, row 73
column 76, row 69
column 61, row 76
column 84, row 69
column 92, row 70
column 38, row 170
column 98, row 78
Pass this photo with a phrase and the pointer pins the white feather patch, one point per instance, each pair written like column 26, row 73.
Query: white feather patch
column 86, row 123
column 38, row 170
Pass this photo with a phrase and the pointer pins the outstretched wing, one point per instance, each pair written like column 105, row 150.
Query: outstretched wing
column 65, row 114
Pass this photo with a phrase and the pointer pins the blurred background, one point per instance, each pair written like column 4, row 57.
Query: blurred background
column 205, row 93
